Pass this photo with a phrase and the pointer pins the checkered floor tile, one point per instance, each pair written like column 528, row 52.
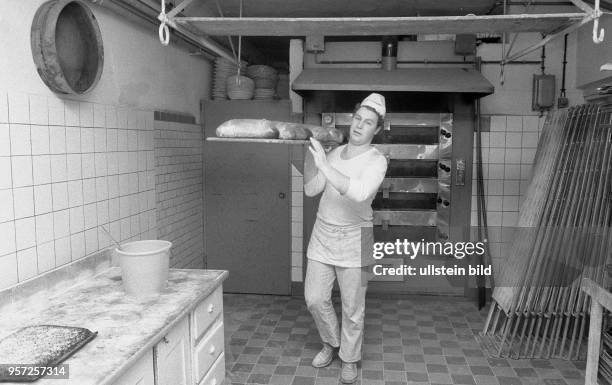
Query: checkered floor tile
column 424, row 340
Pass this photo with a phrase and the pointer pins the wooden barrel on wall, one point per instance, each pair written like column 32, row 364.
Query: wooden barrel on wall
column 67, row 46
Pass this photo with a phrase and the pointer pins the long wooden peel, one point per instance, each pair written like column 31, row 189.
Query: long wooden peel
column 592, row 200
column 565, row 306
column 522, row 285
column 561, row 136
column 568, row 228
column 589, row 248
column 601, row 230
column 549, row 226
column 570, row 231
column 599, row 205
column 590, row 213
column 557, row 229
column 588, row 197
column 511, row 279
column 532, row 287
column 539, row 309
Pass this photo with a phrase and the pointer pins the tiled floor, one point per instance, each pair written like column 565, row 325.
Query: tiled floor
column 425, row 340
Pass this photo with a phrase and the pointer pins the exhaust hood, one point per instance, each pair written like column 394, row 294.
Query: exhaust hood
column 435, row 80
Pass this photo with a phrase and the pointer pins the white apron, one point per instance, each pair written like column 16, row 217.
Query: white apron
column 344, row 246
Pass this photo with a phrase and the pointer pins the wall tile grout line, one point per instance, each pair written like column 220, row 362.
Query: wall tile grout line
column 13, row 190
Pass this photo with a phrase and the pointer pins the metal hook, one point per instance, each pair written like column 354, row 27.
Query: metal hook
column 597, row 39
column 598, row 35
column 163, row 31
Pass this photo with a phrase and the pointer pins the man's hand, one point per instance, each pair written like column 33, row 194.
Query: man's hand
column 318, row 153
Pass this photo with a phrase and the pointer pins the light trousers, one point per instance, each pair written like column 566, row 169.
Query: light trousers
column 318, row 286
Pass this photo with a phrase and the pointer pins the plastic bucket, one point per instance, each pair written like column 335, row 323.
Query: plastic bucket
column 144, row 266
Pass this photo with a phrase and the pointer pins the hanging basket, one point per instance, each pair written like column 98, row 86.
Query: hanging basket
column 67, row 46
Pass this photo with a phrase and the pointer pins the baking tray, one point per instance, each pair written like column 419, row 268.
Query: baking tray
column 255, row 140
column 40, row 346
column 326, row 145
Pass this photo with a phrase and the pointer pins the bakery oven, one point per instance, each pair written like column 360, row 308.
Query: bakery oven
column 414, row 200
column 428, row 138
column 426, row 195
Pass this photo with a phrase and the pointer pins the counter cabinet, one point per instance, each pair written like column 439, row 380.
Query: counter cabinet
column 191, row 353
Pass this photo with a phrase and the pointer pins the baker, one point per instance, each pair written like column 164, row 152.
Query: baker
column 340, row 246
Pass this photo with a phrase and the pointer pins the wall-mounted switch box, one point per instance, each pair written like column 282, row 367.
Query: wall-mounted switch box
column 543, row 95
column 460, row 176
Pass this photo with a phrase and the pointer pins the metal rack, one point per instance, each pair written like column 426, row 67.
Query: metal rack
column 552, row 25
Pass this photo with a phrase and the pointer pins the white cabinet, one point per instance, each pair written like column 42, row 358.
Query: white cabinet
column 216, row 374
column 208, row 350
column 141, row 373
column 208, row 340
column 172, row 356
column 206, row 313
column 191, row 353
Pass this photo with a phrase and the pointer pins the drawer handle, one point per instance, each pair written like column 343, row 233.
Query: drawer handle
column 211, row 308
column 212, row 349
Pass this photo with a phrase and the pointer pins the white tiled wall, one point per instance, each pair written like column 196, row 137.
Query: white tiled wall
column 508, row 152
column 297, row 224
column 179, row 173
column 66, row 169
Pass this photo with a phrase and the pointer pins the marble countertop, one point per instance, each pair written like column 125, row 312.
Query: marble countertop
column 127, row 327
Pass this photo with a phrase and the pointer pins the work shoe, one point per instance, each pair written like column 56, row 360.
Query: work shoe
column 324, row 357
column 349, row 372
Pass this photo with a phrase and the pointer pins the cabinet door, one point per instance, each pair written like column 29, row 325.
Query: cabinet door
column 247, row 197
column 172, row 356
column 141, row 373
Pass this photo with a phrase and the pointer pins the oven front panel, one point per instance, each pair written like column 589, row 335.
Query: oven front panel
column 414, row 199
column 427, row 192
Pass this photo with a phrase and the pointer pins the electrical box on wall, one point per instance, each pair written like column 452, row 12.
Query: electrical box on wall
column 465, row 44
column 543, row 93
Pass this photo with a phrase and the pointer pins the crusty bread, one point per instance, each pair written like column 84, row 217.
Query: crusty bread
column 266, row 129
column 291, row 131
column 324, row 134
column 247, row 128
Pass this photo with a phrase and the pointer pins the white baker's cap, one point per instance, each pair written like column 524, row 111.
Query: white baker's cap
column 376, row 102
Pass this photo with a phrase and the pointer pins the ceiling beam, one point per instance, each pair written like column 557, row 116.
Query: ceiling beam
column 380, row 26
column 249, row 52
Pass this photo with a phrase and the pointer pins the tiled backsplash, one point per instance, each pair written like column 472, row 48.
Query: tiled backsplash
column 179, row 190
column 508, row 152
column 66, row 169
column 297, row 224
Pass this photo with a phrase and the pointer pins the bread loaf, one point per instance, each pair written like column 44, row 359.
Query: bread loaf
column 266, row 129
column 291, row 131
column 323, row 134
column 247, row 128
